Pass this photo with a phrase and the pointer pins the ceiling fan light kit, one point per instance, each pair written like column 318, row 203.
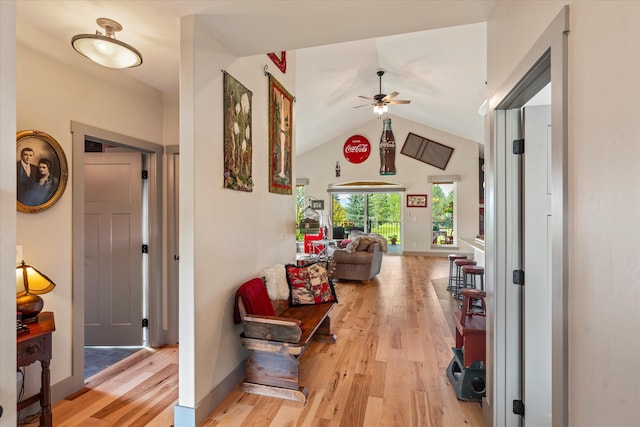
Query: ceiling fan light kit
column 105, row 49
column 380, row 109
column 381, row 101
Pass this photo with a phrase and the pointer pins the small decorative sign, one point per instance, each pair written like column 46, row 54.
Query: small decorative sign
column 356, row 149
column 317, row 205
column 416, row 200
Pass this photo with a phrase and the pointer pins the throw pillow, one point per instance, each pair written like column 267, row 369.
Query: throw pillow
column 343, row 244
column 310, row 284
column 380, row 239
column 360, row 243
column 275, row 278
column 364, row 243
column 352, row 246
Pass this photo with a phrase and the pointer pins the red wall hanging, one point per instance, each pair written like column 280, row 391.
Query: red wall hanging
column 280, row 61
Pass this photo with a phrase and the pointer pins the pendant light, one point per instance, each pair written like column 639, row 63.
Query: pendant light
column 105, row 49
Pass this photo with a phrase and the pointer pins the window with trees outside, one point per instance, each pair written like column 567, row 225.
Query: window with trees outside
column 375, row 212
column 300, row 194
column 443, row 213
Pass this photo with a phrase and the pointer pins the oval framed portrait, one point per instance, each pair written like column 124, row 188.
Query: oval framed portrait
column 41, row 171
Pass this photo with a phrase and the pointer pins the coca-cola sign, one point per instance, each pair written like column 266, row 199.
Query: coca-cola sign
column 357, row 149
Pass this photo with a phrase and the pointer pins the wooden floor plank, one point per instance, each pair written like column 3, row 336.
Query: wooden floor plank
column 106, row 387
column 373, row 414
column 355, row 410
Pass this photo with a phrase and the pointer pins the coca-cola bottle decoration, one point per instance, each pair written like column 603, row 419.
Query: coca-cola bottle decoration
column 387, row 149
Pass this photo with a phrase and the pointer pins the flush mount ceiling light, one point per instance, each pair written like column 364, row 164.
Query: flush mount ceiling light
column 105, row 49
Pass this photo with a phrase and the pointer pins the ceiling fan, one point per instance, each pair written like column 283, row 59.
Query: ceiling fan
column 381, row 100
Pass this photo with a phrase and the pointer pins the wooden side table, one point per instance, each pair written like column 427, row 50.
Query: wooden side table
column 36, row 346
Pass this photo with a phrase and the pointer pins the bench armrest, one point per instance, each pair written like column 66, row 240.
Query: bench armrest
column 272, row 328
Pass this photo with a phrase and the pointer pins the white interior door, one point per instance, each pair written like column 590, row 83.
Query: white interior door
column 113, row 255
column 537, row 233
column 509, row 308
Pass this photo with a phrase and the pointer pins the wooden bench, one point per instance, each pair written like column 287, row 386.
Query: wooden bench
column 276, row 344
column 471, row 328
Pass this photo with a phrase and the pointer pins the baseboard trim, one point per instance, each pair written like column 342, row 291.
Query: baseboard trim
column 64, row 388
column 184, row 416
column 428, row 253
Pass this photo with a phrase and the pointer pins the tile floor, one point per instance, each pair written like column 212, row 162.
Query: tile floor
column 98, row 358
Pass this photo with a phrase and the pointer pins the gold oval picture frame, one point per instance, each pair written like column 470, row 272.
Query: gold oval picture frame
column 41, row 171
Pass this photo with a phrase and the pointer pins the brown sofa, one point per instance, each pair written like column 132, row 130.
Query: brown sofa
column 361, row 260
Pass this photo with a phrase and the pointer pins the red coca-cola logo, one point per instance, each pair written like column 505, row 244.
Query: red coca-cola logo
column 356, row 149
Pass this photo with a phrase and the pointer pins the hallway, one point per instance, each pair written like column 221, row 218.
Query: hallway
column 386, row 369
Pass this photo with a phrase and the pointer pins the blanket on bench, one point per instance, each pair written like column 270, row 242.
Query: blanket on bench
column 255, row 298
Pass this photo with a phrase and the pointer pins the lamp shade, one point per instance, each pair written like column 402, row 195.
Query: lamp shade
column 30, row 283
column 105, row 49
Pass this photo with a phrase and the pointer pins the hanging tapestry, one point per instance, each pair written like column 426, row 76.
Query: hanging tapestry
column 237, row 135
column 280, row 137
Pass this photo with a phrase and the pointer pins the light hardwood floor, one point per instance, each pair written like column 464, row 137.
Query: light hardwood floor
column 141, row 390
column 388, row 368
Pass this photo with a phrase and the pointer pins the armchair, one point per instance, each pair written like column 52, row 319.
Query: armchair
column 361, row 260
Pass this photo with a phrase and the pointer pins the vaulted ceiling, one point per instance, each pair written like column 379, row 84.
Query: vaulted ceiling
column 433, row 52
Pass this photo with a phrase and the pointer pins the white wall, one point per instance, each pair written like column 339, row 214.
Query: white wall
column 604, row 207
column 226, row 236
column 7, row 211
column 318, row 165
column 49, row 96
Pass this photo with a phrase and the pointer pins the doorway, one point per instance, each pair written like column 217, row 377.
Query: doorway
column 152, row 237
column 517, row 276
column 113, row 242
column 369, row 212
column 113, row 222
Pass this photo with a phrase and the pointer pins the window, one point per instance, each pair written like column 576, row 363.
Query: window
column 443, row 213
column 377, row 212
column 300, row 192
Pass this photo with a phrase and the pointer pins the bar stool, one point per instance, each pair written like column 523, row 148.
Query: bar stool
column 472, row 300
column 452, row 270
column 467, row 371
column 471, row 326
column 473, row 271
column 460, row 281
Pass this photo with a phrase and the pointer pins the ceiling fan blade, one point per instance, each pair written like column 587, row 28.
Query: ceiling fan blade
column 399, row 101
column 366, row 97
column 390, row 96
column 363, row 105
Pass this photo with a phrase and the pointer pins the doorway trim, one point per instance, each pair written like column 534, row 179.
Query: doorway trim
column 172, row 257
column 546, row 61
column 80, row 132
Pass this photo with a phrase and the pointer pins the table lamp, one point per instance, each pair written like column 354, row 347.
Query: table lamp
column 30, row 284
